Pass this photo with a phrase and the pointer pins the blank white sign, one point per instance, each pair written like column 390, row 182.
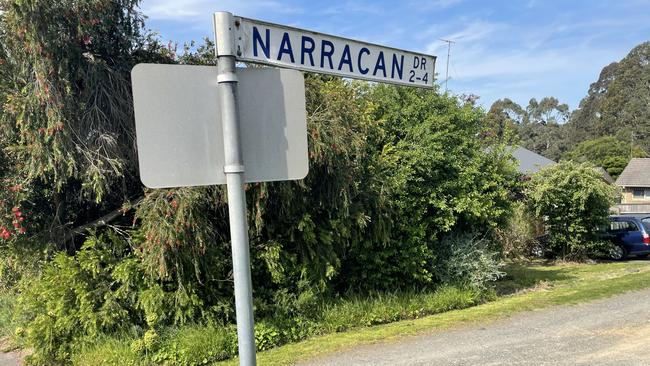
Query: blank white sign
column 179, row 129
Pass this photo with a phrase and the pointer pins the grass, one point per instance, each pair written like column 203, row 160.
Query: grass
column 527, row 287
column 201, row 344
column 364, row 311
column 109, row 351
column 6, row 313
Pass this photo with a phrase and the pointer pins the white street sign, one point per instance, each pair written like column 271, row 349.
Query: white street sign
column 282, row 46
column 179, row 128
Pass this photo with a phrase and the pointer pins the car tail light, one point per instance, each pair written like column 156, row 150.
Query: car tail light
column 646, row 239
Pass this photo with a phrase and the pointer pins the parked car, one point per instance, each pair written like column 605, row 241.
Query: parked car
column 630, row 236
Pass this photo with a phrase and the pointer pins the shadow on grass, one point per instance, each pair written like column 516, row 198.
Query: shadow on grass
column 522, row 276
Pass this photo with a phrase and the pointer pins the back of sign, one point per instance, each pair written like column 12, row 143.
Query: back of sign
column 179, row 129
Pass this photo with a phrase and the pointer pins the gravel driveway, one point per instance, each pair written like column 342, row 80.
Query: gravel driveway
column 10, row 359
column 613, row 331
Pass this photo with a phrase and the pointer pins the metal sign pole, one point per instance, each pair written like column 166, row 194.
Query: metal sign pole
column 234, row 170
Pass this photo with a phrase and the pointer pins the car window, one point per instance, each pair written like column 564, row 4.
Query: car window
column 646, row 223
column 621, row 226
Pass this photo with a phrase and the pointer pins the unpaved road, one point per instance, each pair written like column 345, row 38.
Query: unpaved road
column 613, row 331
column 10, row 358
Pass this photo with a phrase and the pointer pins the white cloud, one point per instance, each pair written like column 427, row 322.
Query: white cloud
column 520, row 61
column 475, row 32
column 433, row 4
column 184, row 10
column 352, row 7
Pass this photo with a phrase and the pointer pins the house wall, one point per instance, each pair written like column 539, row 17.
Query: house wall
column 628, row 196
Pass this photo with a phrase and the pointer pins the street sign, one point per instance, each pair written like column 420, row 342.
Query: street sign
column 283, row 46
column 180, row 132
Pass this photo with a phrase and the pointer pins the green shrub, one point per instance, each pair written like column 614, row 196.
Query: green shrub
column 518, row 236
column 73, row 300
column 469, row 260
column 574, row 201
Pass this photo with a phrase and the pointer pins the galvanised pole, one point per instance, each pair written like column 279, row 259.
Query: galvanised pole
column 234, row 170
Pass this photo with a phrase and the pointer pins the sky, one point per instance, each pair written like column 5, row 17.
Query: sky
column 517, row 49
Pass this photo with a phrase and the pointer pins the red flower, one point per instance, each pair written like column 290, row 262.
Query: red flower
column 4, row 233
column 15, row 188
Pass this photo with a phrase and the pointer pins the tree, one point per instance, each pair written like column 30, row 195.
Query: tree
column 501, row 121
column 538, row 127
column 574, row 201
column 607, row 152
column 542, row 130
column 66, row 123
column 617, row 103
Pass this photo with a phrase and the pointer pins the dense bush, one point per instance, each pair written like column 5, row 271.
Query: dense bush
column 438, row 177
column 574, row 201
column 76, row 299
column 518, row 238
column 370, row 216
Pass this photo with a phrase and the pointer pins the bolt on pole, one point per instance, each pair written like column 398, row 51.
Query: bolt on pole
column 234, row 170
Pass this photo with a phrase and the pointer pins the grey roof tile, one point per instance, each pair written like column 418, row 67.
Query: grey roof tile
column 635, row 174
column 529, row 162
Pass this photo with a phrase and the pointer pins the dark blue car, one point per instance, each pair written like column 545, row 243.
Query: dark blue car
column 630, row 235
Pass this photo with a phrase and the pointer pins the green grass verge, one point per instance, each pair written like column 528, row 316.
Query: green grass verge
column 6, row 313
column 527, row 287
column 201, row 344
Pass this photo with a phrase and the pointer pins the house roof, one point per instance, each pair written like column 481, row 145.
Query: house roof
column 529, row 162
column 635, row 174
column 608, row 178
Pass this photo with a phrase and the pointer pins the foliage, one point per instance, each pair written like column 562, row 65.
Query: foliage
column 109, row 351
column 204, row 344
column 574, row 201
column 196, row 345
column 7, row 301
column 617, row 103
column 501, row 121
column 607, row 152
column 538, row 127
column 518, row 237
column 66, row 116
column 75, row 299
column 439, row 177
column 469, row 260
column 378, row 199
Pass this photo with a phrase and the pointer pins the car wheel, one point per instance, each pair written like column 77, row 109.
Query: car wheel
column 617, row 252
